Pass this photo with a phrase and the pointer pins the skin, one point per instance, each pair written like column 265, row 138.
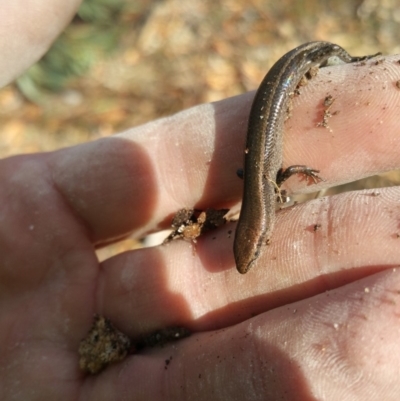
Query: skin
column 264, row 146
column 28, row 30
column 275, row 333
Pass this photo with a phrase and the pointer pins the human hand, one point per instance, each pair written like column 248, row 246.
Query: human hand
column 274, row 333
column 28, row 30
column 316, row 318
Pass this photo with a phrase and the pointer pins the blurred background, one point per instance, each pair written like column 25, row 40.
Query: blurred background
column 121, row 63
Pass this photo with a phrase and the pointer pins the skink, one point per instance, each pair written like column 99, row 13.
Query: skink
column 263, row 154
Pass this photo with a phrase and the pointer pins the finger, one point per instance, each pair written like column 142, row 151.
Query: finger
column 360, row 138
column 24, row 42
column 316, row 246
column 109, row 184
column 135, row 182
column 191, row 159
column 197, row 153
column 299, row 351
